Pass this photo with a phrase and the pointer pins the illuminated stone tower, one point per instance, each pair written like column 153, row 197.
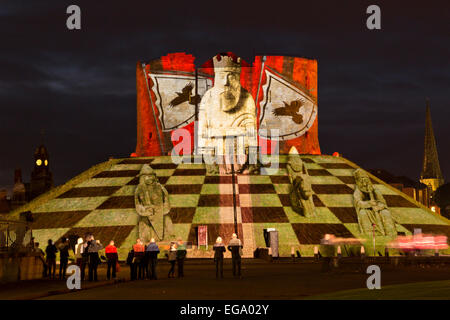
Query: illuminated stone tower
column 41, row 176
column 431, row 171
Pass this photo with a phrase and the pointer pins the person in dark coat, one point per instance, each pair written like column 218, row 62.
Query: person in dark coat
column 112, row 258
column 81, row 256
column 172, row 258
column 94, row 246
column 63, row 258
column 138, row 260
column 85, row 256
column 181, row 256
column 219, row 249
column 145, row 264
column 152, row 254
column 235, row 247
column 50, row 252
column 130, row 262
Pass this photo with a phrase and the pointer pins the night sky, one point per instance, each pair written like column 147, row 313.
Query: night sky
column 80, row 87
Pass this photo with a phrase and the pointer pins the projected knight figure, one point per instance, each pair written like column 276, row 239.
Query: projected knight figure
column 227, row 119
column 301, row 194
column 152, row 205
column 371, row 207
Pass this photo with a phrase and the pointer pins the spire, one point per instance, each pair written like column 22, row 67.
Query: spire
column 431, row 170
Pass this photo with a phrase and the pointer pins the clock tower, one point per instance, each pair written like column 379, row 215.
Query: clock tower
column 41, row 176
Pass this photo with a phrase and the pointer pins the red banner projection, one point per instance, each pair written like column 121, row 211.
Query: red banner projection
column 202, row 236
column 169, row 90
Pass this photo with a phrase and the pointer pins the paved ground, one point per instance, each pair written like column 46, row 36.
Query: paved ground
column 435, row 290
column 261, row 280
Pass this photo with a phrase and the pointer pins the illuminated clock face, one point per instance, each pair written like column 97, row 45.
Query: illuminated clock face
column 46, row 162
column 39, row 162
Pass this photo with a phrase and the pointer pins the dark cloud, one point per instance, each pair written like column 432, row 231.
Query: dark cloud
column 80, row 85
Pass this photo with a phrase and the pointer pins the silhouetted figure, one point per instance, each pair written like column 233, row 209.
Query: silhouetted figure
column 94, row 246
column 219, row 249
column 81, row 256
column 152, row 254
column 50, row 252
column 172, row 258
column 130, row 262
column 235, row 247
column 138, row 260
column 181, row 256
column 145, row 264
column 63, row 258
column 112, row 258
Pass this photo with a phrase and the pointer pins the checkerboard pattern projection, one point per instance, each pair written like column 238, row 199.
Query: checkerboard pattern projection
column 104, row 204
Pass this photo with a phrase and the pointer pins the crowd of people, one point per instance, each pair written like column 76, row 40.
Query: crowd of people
column 142, row 258
column 86, row 254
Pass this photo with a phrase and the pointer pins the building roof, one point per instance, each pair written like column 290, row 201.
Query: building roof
column 392, row 179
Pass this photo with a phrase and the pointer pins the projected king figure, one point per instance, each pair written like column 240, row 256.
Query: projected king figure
column 227, row 119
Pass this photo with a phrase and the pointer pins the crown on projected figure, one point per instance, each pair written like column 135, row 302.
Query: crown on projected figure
column 293, row 150
column 227, row 63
